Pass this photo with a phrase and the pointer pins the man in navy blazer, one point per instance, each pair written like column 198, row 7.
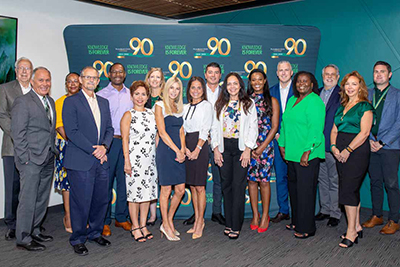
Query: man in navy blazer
column 87, row 123
column 282, row 91
column 328, row 177
column 385, row 148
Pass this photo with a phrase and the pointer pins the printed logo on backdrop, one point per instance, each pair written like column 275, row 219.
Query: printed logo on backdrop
column 291, row 48
column 215, row 48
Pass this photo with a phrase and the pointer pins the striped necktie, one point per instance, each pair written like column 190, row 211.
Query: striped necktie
column 47, row 108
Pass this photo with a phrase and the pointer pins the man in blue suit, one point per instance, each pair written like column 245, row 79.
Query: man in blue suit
column 282, row 91
column 385, row 148
column 328, row 177
column 87, row 123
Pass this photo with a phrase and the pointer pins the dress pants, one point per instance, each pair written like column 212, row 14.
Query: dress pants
column 217, row 191
column 328, row 180
column 281, row 172
column 88, row 202
column 11, row 191
column 35, row 181
column 233, row 180
column 303, row 190
column 116, row 163
column 383, row 170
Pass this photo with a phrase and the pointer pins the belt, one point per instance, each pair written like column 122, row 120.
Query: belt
column 118, row 136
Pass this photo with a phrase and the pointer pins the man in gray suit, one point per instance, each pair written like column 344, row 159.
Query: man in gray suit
column 33, row 121
column 8, row 93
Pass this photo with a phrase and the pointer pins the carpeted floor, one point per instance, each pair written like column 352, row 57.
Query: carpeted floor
column 276, row 247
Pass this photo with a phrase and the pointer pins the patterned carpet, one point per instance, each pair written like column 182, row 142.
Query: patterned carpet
column 276, row 247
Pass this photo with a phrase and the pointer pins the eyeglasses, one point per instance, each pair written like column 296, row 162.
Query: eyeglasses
column 117, row 72
column 24, row 68
column 72, row 81
column 90, row 78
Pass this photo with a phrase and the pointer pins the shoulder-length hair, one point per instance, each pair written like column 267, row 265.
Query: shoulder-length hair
column 148, row 77
column 223, row 99
column 362, row 94
column 177, row 101
column 266, row 94
column 203, row 87
column 136, row 84
column 312, row 79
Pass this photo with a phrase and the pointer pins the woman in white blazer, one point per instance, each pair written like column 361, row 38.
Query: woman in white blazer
column 234, row 134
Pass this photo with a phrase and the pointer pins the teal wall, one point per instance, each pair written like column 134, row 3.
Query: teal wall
column 354, row 35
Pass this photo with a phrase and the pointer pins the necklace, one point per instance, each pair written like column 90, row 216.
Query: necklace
column 351, row 105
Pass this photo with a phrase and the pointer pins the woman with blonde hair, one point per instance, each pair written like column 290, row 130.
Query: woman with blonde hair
column 170, row 155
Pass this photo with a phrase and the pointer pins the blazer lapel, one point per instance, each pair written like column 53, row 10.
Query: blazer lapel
column 85, row 103
column 38, row 102
column 333, row 97
column 17, row 90
column 103, row 110
column 387, row 108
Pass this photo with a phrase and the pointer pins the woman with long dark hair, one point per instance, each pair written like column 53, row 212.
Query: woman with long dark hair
column 234, row 134
column 261, row 163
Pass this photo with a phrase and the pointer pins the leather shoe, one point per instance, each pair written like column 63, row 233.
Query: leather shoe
column 333, row 222
column 390, row 228
column 320, row 216
column 32, row 246
column 189, row 221
column 106, row 230
column 81, row 249
column 127, row 226
column 372, row 222
column 279, row 217
column 217, row 217
column 101, row 241
column 10, row 234
column 42, row 238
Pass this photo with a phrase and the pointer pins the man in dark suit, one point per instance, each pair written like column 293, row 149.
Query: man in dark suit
column 8, row 93
column 328, row 178
column 282, row 91
column 385, row 149
column 33, row 120
column 87, row 123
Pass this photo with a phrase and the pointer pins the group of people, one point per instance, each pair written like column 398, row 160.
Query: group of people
column 152, row 145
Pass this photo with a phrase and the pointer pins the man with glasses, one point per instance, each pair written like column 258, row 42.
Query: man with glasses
column 87, row 123
column 8, row 93
column 120, row 101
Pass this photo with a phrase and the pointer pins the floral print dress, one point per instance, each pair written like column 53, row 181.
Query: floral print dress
column 260, row 169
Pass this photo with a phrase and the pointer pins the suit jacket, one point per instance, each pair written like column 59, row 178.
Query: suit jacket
column 275, row 92
column 31, row 130
column 331, row 108
column 389, row 126
column 81, row 130
column 8, row 93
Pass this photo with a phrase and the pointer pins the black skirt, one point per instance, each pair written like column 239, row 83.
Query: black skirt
column 353, row 171
column 196, row 170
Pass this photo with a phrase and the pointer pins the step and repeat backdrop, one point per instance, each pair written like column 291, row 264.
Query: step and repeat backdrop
column 185, row 50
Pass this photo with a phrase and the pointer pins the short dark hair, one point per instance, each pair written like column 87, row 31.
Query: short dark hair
column 66, row 77
column 136, row 84
column 313, row 81
column 115, row 64
column 203, row 86
column 384, row 63
column 215, row 65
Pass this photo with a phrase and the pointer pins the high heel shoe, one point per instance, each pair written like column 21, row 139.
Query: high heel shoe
column 253, row 226
column 227, row 231
column 67, row 229
column 169, row 238
column 196, row 236
column 348, row 243
column 139, row 239
column 176, row 233
column 234, row 235
column 262, row 230
column 151, row 223
column 190, row 231
column 149, row 235
column 360, row 234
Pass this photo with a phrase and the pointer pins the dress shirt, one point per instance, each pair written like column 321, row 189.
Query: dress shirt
column 25, row 90
column 284, row 91
column 94, row 106
column 212, row 97
column 326, row 94
column 45, row 104
column 120, row 102
column 198, row 118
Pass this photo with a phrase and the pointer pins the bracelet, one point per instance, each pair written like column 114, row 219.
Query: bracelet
column 199, row 147
column 349, row 149
column 333, row 145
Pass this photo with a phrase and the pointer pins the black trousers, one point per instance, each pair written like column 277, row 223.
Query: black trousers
column 11, row 191
column 383, row 170
column 302, row 190
column 233, row 181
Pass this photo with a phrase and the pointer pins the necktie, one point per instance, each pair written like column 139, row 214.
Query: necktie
column 47, row 108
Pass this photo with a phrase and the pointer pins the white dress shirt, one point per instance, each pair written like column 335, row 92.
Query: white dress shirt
column 94, row 106
column 284, row 91
column 198, row 118
column 212, row 97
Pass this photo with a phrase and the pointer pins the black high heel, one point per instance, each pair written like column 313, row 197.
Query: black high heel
column 234, row 235
column 348, row 242
column 139, row 239
column 149, row 235
column 360, row 234
column 151, row 223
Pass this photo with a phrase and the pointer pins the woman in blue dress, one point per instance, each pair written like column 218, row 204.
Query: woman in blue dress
column 262, row 159
column 170, row 155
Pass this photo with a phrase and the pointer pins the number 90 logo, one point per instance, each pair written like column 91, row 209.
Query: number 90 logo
column 103, row 67
column 177, row 68
column 140, row 46
column 294, row 46
column 218, row 46
column 250, row 65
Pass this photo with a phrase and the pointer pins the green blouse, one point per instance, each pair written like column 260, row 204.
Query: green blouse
column 351, row 121
column 302, row 128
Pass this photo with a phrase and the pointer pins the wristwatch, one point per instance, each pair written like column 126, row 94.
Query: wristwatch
column 381, row 143
column 105, row 146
